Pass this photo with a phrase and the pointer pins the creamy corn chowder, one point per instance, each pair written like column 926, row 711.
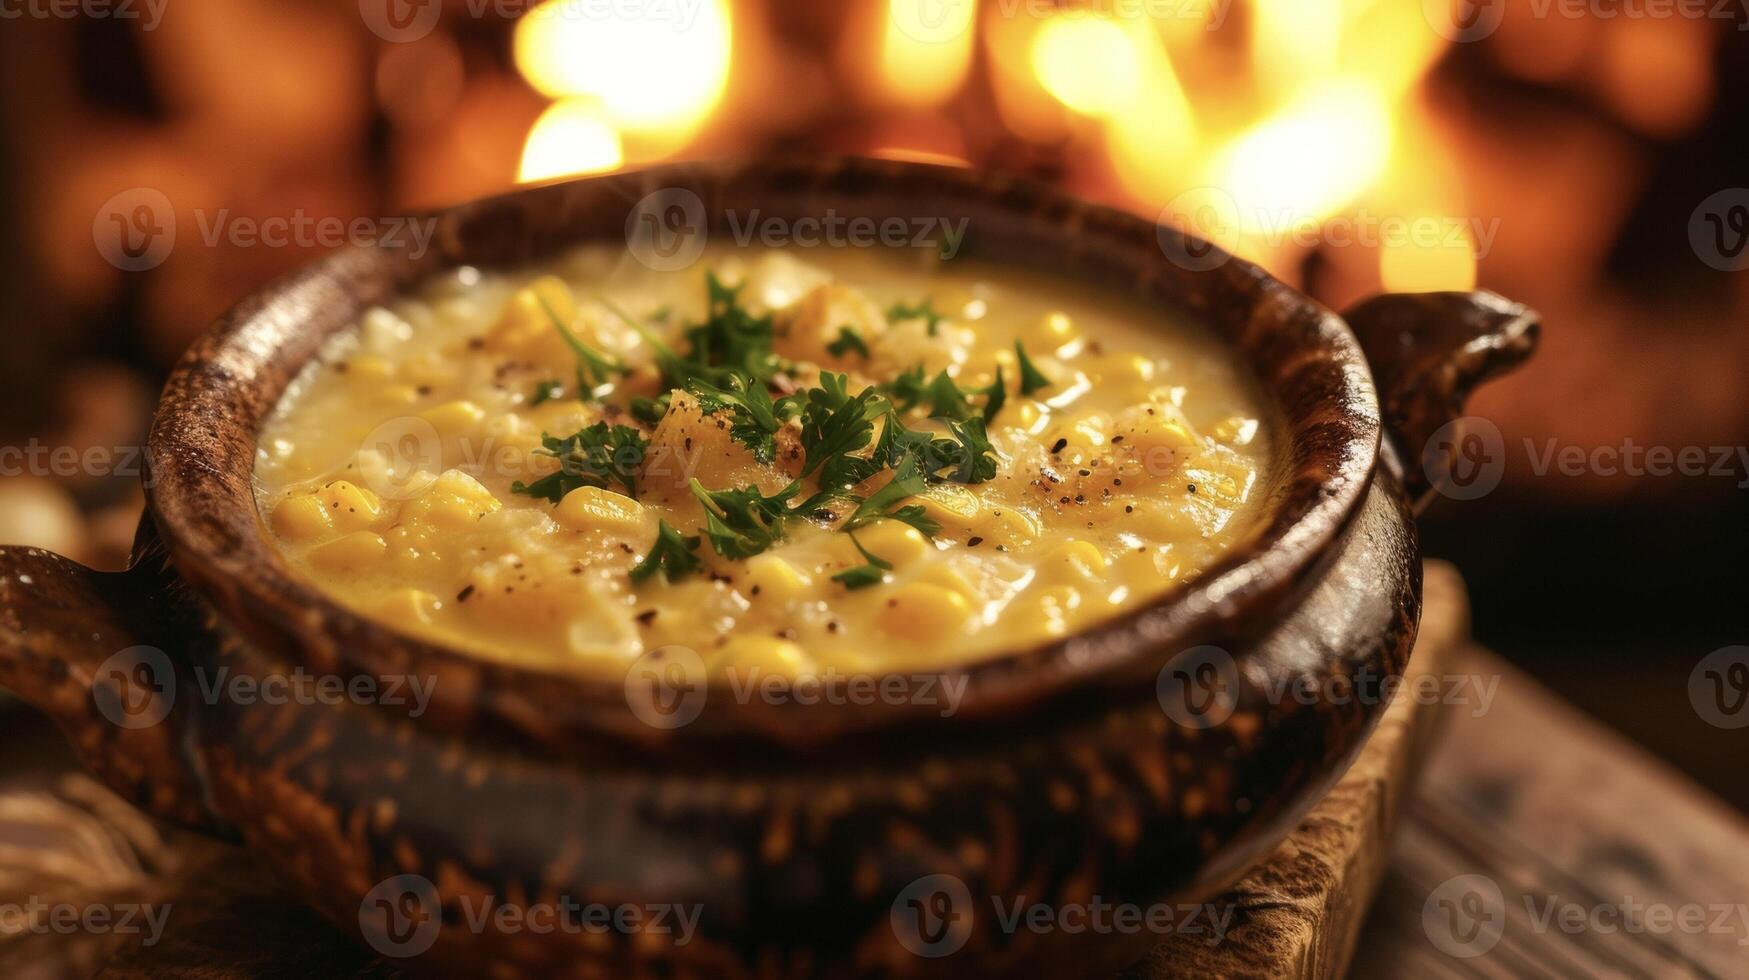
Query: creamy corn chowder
column 791, row 461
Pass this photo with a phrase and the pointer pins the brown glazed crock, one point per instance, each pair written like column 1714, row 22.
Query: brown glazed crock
column 828, row 840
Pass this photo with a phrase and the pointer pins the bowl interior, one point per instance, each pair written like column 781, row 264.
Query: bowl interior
column 1306, row 363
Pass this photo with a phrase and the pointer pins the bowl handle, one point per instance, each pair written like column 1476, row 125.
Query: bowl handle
column 72, row 645
column 1428, row 352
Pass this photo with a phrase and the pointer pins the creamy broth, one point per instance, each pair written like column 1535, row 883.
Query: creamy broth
column 405, row 474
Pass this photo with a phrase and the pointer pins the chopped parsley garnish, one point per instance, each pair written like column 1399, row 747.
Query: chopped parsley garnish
column 755, row 418
column 1031, row 378
column 908, row 481
column 672, row 555
column 731, row 337
column 873, row 572
column 836, row 424
column 650, row 410
column 923, row 310
column 546, row 391
column 742, row 523
column 594, row 368
column 968, row 454
column 593, row 456
column 944, row 397
column 848, row 340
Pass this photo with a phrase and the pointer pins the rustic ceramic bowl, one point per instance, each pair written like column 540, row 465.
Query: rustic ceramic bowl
column 1145, row 761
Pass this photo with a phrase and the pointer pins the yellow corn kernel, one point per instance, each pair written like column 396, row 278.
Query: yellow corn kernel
column 748, row 658
column 428, row 370
column 772, row 578
column 409, row 606
column 454, row 418
column 354, row 552
column 1087, row 433
column 592, row 507
column 528, row 317
column 948, row 577
column 1008, row 525
column 395, row 394
column 301, row 518
column 1078, row 559
column 894, row 541
column 950, row 504
column 1125, row 368
column 454, row 501
column 370, row 367
column 924, row 612
column 1054, row 332
column 351, row 506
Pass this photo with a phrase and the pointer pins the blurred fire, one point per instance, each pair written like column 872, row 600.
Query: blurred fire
column 1302, row 123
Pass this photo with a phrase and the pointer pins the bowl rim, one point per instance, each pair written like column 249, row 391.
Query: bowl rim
column 1304, row 359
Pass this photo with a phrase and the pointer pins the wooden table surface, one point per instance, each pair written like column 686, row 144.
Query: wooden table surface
column 1535, row 843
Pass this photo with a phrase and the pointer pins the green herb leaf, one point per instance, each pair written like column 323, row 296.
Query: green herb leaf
column 742, row 523
column 672, row 554
column 594, row 368
column 923, row 310
column 908, row 481
column 650, row 410
column 1031, row 378
column 755, row 418
column 834, row 425
column 995, row 396
column 865, row 575
column 848, row 340
column 546, row 391
column 731, row 337
column 593, row 456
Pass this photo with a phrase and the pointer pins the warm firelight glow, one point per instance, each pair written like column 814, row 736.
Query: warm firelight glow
column 1322, row 150
column 1409, row 266
column 926, row 48
column 1087, row 62
column 662, row 71
column 571, row 137
column 1294, row 40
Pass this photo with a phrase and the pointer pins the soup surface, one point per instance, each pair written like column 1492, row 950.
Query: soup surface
column 798, row 461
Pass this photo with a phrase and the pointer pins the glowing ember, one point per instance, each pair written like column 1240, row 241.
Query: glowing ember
column 926, row 48
column 657, row 67
column 1087, row 62
column 571, row 137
